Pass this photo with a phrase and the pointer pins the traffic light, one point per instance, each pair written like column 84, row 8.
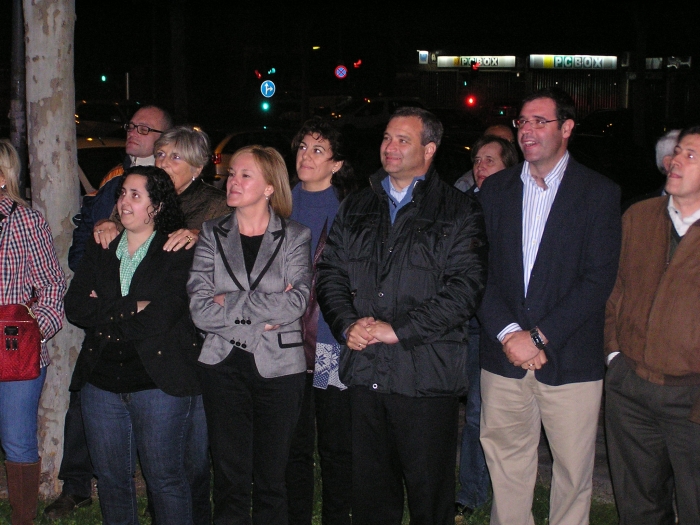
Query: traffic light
column 258, row 75
column 265, row 106
column 357, row 64
column 271, row 71
column 470, row 101
column 474, row 65
column 103, row 78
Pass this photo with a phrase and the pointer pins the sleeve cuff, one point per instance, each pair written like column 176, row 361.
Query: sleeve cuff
column 512, row 327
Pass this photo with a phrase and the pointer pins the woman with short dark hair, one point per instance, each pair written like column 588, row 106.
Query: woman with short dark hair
column 137, row 371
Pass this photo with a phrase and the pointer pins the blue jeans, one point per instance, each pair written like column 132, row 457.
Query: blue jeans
column 474, row 479
column 19, row 404
column 152, row 423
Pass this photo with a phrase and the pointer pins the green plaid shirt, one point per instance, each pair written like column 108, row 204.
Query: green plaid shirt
column 128, row 265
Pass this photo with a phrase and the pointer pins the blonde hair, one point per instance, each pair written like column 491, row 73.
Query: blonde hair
column 9, row 166
column 274, row 171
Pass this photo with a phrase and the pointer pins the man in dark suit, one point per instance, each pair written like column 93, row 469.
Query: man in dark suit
column 553, row 227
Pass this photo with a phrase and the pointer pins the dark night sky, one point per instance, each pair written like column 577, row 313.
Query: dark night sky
column 223, row 37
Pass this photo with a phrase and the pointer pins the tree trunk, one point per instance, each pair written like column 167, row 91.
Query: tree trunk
column 49, row 27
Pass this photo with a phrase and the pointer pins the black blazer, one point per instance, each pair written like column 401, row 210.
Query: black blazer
column 165, row 337
column 570, row 281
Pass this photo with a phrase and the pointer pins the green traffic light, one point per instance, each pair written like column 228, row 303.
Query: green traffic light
column 265, row 106
column 104, row 78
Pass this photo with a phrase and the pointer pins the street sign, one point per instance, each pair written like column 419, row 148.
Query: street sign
column 267, row 88
column 341, row 71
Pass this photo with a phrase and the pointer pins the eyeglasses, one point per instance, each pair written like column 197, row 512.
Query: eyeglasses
column 536, row 123
column 141, row 129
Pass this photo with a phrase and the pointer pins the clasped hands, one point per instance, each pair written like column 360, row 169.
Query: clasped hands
column 522, row 352
column 368, row 331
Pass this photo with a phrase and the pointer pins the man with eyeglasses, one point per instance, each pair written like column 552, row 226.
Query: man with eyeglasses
column 553, row 227
column 76, row 468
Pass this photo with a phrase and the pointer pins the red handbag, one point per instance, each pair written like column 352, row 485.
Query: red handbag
column 20, row 343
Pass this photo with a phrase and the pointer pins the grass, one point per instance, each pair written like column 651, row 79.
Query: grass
column 601, row 513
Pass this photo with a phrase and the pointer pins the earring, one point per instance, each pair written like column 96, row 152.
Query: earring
column 267, row 197
column 194, row 179
column 3, row 187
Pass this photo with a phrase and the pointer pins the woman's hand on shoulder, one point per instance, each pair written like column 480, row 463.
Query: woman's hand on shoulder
column 105, row 232
column 182, row 238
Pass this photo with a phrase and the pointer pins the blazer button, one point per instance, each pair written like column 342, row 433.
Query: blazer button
column 121, row 315
column 248, row 321
column 99, row 334
column 232, row 341
column 380, row 294
column 375, row 386
column 109, row 337
column 159, row 352
column 243, row 345
column 111, row 318
column 236, row 322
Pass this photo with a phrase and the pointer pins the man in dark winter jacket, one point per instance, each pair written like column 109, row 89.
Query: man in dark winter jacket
column 403, row 270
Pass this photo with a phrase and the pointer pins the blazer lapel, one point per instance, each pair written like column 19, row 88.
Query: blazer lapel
column 268, row 248
column 142, row 268
column 229, row 246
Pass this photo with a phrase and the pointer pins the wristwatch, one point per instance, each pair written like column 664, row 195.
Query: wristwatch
column 536, row 339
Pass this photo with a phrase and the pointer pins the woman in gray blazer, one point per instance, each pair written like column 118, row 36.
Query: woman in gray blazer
column 248, row 287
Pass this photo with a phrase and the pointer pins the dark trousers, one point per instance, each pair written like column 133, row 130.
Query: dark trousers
column 250, row 420
column 396, row 440
column 76, row 468
column 652, row 448
column 326, row 413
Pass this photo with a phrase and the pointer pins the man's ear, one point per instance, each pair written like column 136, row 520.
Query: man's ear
column 430, row 149
column 567, row 128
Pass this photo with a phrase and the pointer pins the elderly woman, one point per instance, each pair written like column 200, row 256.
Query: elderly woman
column 182, row 152
column 29, row 267
column 249, row 286
column 137, row 370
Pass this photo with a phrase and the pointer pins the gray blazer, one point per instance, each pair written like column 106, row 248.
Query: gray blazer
column 218, row 268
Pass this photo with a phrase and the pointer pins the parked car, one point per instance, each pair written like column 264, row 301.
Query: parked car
column 102, row 118
column 371, row 113
column 96, row 157
column 278, row 139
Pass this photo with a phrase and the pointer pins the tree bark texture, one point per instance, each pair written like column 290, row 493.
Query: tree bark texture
column 49, row 29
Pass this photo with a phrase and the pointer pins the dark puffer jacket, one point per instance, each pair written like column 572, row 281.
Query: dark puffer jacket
column 424, row 275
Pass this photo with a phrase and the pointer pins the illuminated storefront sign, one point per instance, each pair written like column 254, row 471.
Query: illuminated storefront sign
column 572, row 62
column 484, row 62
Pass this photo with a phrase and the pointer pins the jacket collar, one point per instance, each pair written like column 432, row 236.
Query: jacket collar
column 227, row 235
column 421, row 188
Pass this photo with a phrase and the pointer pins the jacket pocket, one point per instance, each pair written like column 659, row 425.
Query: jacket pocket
column 290, row 339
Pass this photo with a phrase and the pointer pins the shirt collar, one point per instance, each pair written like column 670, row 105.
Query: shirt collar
column 554, row 177
column 681, row 223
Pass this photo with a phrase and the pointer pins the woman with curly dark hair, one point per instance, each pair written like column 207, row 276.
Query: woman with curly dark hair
column 325, row 177
column 136, row 372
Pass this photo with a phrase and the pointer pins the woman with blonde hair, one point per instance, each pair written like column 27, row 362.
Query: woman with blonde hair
column 249, row 286
column 29, row 269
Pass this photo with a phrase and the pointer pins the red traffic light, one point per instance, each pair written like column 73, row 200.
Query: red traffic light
column 258, row 75
column 470, row 101
column 357, row 64
column 474, row 65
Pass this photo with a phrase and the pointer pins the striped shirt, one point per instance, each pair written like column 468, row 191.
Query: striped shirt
column 537, row 203
column 28, row 264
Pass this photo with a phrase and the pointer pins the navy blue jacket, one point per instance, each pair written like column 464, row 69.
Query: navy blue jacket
column 570, row 281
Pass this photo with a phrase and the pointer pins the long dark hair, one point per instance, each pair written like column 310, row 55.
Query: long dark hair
column 161, row 191
column 343, row 180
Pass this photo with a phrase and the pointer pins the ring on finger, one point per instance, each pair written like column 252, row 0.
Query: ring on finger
column 98, row 231
column 189, row 239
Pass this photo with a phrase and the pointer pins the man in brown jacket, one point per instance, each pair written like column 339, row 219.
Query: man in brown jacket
column 652, row 408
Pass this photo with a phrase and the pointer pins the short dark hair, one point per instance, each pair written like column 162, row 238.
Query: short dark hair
column 161, row 191
column 565, row 105
column 432, row 127
column 342, row 180
column 690, row 130
column 509, row 155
